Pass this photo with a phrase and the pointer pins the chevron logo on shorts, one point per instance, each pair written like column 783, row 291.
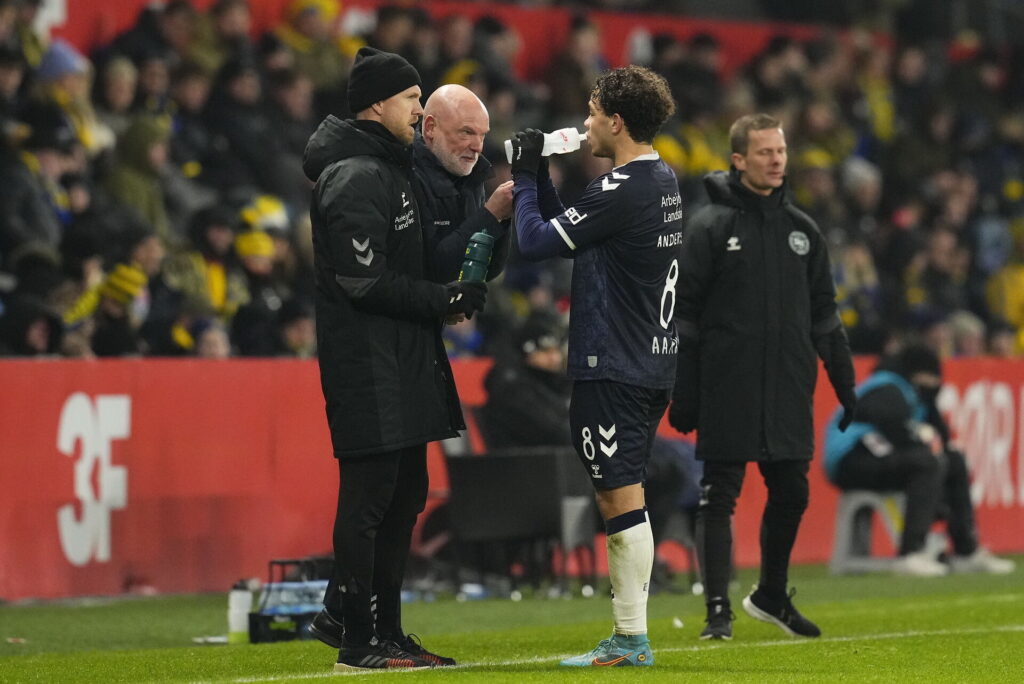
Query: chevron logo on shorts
column 608, row 435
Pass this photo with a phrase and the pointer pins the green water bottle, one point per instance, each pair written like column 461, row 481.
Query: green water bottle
column 478, row 257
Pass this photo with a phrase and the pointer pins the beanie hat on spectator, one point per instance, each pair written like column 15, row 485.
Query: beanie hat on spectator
column 60, row 60
column 124, row 283
column 266, row 212
column 254, row 243
column 917, row 358
column 377, row 76
column 50, row 129
column 539, row 331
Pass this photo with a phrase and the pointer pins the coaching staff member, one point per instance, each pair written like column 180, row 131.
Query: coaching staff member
column 756, row 300
column 385, row 376
column 449, row 175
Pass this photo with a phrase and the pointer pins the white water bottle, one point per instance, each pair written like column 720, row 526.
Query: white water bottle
column 239, row 606
column 556, row 142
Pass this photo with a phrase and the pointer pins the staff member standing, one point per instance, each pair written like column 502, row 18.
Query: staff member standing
column 449, row 176
column 386, row 380
column 756, row 301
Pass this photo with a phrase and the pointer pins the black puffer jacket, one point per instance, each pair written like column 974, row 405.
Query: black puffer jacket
column 755, row 296
column 383, row 369
column 451, row 210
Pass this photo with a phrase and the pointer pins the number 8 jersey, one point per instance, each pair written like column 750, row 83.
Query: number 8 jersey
column 625, row 234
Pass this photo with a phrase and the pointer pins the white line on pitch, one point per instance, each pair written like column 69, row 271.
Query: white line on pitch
column 670, row 649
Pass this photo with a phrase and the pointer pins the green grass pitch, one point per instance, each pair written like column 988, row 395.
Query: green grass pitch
column 965, row 628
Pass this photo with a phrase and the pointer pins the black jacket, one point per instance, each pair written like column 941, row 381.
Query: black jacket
column 755, row 299
column 383, row 369
column 525, row 407
column 451, row 209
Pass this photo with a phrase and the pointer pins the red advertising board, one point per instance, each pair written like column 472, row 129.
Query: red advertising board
column 186, row 475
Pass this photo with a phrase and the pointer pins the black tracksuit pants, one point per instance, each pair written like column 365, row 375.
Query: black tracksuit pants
column 788, row 494
column 935, row 486
column 379, row 499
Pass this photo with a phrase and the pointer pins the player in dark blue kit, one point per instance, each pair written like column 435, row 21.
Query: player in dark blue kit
column 624, row 234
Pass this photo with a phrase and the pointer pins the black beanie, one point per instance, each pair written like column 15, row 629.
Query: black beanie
column 377, row 76
column 917, row 358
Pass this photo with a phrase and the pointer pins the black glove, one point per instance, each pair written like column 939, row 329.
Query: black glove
column 681, row 417
column 526, row 147
column 466, row 297
column 849, row 402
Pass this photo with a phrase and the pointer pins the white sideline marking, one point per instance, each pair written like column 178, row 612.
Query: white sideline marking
column 678, row 649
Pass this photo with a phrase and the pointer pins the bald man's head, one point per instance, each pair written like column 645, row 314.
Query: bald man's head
column 455, row 122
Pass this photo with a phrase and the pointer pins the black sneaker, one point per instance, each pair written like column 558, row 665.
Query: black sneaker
column 377, row 655
column 781, row 613
column 327, row 629
column 718, row 622
column 411, row 643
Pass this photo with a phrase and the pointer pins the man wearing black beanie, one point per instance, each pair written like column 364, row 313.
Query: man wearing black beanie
column 386, row 379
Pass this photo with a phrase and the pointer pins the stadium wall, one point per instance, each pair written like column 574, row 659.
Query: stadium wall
column 186, row 475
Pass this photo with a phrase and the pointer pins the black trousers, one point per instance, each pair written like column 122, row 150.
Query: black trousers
column 788, row 494
column 935, row 486
column 379, row 499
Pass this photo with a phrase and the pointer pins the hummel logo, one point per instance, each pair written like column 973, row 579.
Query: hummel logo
column 733, row 245
column 606, row 185
column 608, row 434
column 405, row 202
column 364, row 254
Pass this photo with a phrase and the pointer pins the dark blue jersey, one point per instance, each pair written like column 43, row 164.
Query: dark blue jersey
column 625, row 234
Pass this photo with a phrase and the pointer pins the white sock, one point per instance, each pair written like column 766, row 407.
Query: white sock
column 630, row 559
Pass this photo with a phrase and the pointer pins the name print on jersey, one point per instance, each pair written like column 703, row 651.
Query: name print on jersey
column 675, row 205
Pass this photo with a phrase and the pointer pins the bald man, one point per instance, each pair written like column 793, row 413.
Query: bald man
column 450, row 172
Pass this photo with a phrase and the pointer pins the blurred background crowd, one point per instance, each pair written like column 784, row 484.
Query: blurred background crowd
column 152, row 200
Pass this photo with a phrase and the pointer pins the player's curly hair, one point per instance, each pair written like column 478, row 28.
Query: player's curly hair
column 641, row 97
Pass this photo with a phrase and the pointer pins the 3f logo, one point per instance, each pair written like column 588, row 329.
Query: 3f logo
column 100, row 486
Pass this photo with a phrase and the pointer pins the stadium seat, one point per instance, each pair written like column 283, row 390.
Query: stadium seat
column 851, row 550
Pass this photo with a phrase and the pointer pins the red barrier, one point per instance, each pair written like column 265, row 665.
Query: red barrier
column 187, row 475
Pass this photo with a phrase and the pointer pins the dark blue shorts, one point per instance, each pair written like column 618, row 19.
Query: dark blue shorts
column 613, row 427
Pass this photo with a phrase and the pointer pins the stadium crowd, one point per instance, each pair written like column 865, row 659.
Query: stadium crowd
column 154, row 203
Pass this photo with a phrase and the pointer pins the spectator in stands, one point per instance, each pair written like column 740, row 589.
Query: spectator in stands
column 393, row 30
column 1005, row 288
column 31, row 43
column 221, row 35
column 899, row 441
column 191, row 139
column 64, row 78
column 12, row 74
column 170, row 28
column 135, row 179
column 209, row 276
column 237, row 115
column 291, row 108
column 115, row 94
column 30, row 178
column 309, row 34
column 211, row 339
column 296, row 326
column 572, row 73
column 154, row 88
column 254, row 325
column 28, row 327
